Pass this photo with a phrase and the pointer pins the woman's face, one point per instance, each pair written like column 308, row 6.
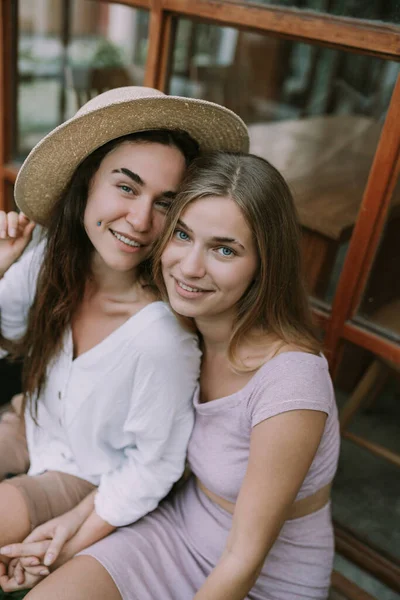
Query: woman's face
column 211, row 260
column 128, row 199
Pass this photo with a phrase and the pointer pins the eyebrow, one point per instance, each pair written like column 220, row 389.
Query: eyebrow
column 134, row 176
column 137, row 179
column 218, row 239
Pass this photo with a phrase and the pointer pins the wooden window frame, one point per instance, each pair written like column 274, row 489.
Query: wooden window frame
column 342, row 33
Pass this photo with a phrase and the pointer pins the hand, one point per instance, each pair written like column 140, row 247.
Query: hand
column 15, row 234
column 46, row 541
column 19, row 577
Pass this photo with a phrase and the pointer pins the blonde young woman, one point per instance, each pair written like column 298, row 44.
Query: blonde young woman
column 109, row 373
column 253, row 521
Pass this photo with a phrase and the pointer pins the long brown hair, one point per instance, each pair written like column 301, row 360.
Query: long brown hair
column 66, row 265
column 276, row 301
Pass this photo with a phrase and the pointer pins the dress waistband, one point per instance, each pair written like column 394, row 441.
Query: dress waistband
column 300, row 508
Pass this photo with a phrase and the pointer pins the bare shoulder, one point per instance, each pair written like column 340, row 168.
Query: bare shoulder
column 261, row 348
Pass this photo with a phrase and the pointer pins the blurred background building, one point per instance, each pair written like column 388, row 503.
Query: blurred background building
column 317, row 81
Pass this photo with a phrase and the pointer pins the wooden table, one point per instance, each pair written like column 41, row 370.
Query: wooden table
column 326, row 161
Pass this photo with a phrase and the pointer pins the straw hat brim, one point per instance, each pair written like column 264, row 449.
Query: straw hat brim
column 49, row 167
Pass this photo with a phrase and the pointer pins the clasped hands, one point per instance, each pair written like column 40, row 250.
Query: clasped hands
column 46, row 548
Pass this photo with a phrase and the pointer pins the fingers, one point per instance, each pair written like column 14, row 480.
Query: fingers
column 11, row 566
column 37, row 571
column 13, row 225
column 8, row 224
column 18, row 574
column 27, row 232
column 30, row 565
column 38, row 549
column 40, row 534
column 9, row 584
column 23, row 220
column 29, row 561
column 3, row 582
column 9, row 417
column 56, row 545
column 3, row 224
column 20, row 578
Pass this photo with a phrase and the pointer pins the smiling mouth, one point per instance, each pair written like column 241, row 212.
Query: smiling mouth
column 189, row 288
column 126, row 240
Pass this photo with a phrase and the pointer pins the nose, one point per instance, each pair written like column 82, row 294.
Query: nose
column 141, row 215
column 193, row 264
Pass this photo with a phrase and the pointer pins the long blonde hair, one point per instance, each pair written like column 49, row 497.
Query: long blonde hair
column 276, row 302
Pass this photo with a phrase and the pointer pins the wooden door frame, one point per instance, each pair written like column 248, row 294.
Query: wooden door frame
column 348, row 34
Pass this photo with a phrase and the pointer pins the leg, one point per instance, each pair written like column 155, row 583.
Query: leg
column 14, row 516
column 81, row 578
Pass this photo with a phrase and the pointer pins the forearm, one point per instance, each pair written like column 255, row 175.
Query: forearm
column 232, row 579
column 85, row 508
column 92, row 530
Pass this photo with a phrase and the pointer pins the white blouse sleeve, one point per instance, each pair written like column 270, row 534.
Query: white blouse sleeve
column 17, row 292
column 161, row 417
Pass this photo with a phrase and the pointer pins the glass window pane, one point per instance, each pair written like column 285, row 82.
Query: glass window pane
column 367, row 485
column 314, row 113
column 375, row 10
column 380, row 306
column 69, row 51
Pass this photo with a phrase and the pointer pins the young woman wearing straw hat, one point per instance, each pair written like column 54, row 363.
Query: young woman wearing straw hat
column 253, row 520
column 108, row 371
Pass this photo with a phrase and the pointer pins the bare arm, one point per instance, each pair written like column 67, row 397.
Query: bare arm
column 91, row 531
column 281, row 452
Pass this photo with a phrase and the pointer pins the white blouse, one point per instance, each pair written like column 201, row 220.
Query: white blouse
column 120, row 415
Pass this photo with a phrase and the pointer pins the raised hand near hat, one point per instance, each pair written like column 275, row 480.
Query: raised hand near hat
column 15, row 234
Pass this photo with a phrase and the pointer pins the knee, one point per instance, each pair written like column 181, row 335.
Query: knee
column 79, row 579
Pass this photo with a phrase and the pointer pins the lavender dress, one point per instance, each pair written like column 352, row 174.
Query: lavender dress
column 168, row 554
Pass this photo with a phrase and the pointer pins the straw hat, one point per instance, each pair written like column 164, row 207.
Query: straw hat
column 49, row 167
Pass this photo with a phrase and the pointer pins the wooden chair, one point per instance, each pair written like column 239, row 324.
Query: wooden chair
column 326, row 161
column 344, row 589
column 372, row 383
column 88, row 83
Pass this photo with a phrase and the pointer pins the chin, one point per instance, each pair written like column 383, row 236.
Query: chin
column 120, row 266
column 184, row 309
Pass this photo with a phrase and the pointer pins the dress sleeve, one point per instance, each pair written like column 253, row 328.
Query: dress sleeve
column 17, row 292
column 161, row 419
column 293, row 383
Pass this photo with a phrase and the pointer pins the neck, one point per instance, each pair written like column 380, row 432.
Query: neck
column 258, row 347
column 216, row 332
column 111, row 282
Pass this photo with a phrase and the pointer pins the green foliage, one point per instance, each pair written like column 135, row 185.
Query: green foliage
column 13, row 595
column 107, row 54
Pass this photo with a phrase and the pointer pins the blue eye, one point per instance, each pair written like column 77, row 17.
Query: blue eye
column 225, row 251
column 181, row 235
column 125, row 188
column 164, row 205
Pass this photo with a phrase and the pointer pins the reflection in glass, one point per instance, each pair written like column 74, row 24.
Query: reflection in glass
column 380, row 306
column 69, row 51
column 367, row 486
column 315, row 113
column 376, row 10
column 365, row 496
